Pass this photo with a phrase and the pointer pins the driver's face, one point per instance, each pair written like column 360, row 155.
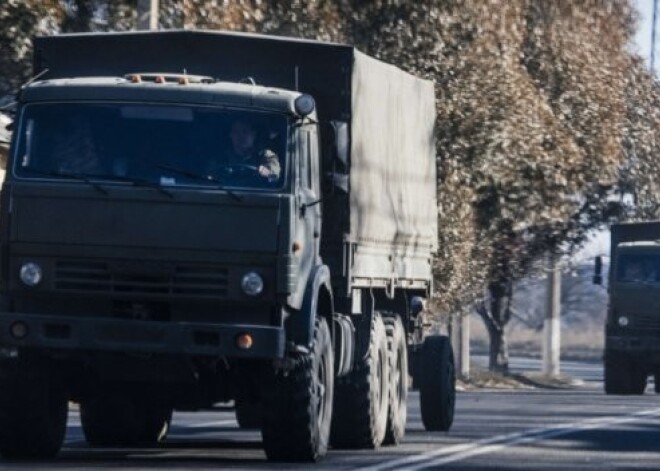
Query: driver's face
column 242, row 137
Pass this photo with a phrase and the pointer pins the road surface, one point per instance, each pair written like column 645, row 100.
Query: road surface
column 577, row 429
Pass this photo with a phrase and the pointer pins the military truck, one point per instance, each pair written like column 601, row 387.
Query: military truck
column 192, row 217
column 632, row 341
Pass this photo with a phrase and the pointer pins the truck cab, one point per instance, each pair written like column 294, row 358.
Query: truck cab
column 632, row 350
column 128, row 174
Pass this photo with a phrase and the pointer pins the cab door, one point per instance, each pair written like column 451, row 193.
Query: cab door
column 308, row 214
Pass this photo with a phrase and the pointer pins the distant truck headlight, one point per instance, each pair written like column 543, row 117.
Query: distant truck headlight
column 31, row 274
column 623, row 321
column 252, row 284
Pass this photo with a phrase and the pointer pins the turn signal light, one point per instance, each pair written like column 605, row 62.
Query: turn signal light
column 244, row 341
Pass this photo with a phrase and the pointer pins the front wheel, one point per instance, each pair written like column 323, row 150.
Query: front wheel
column 248, row 414
column 33, row 415
column 623, row 375
column 437, row 391
column 297, row 403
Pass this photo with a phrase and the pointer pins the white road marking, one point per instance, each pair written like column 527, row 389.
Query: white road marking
column 489, row 445
column 217, row 423
column 74, row 441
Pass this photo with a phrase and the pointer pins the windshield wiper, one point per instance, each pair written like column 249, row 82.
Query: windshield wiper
column 196, row 176
column 75, row 176
column 138, row 182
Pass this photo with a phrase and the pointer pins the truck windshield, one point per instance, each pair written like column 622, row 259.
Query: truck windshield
column 638, row 268
column 168, row 145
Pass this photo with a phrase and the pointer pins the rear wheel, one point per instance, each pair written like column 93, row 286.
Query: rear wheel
column 398, row 379
column 122, row 420
column 623, row 375
column 297, row 403
column 33, row 415
column 361, row 398
column 437, row 390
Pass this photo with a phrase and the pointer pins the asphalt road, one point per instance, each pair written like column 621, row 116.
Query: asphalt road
column 575, row 429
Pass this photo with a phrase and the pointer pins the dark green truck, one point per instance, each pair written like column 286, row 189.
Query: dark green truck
column 632, row 332
column 195, row 217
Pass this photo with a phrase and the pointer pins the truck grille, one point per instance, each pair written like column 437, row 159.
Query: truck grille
column 646, row 321
column 181, row 280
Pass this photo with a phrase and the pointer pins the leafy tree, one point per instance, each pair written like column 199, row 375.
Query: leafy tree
column 544, row 118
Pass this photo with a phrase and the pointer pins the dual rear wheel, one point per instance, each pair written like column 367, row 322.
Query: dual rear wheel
column 121, row 419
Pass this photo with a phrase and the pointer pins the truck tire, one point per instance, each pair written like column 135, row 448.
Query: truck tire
column 297, row 403
column 361, row 398
column 437, row 389
column 398, row 380
column 248, row 414
column 121, row 420
column 33, row 416
column 623, row 376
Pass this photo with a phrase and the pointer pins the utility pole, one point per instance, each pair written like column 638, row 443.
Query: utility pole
column 655, row 14
column 147, row 14
column 551, row 324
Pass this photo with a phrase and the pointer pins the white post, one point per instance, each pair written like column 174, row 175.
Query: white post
column 147, row 14
column 460, row 339
column 465, row 346
column 551, row 324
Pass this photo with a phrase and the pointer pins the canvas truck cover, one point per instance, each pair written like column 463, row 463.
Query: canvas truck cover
column 393, row 170
column 390, row 216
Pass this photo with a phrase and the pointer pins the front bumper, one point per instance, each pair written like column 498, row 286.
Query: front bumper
column 634, row 344
column 115, row 335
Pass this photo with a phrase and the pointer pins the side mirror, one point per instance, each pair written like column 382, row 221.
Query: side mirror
column 304, row 105
column 340, row 134
column 417, row 305
column 598, row 270
column 6, row 126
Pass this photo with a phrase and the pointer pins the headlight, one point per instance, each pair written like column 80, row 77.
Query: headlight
column 252, row 284
column 623, row 321
column 31, row 274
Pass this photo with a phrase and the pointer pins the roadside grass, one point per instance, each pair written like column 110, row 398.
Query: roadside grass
column 580, row 344
column 585, row 344
column 484, row 379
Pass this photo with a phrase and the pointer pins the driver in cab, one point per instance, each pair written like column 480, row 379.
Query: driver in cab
column 244, row 152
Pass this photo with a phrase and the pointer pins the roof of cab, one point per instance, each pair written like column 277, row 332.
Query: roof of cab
column 121, row 89
column 654, row 244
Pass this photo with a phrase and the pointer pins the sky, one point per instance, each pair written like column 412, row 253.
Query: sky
column 600, row 242
column 642, row 42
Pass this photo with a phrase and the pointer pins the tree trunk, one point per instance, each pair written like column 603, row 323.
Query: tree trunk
column 498, row 359
column 496, row 314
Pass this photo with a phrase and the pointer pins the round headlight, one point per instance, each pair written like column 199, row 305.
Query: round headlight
column 623, row 321
column 252, row 284
column 31, row 274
